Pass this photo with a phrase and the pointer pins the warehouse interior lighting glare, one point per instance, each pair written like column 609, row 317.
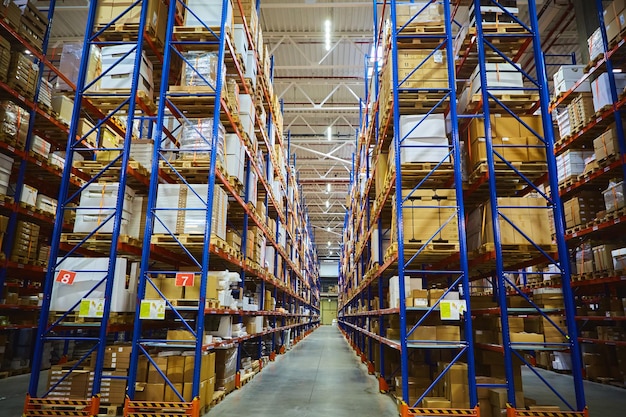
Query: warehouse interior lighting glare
column 327, row 188
column 327, row 203
column 327, row 32
column 329, row 134
column 328, row 228
column 617, row 70
column 329, row 243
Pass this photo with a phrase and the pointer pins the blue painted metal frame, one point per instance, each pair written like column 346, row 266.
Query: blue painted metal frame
column 502, row 281
column 72, row 145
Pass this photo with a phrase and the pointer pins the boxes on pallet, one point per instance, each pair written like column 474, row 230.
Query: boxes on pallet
column 29, row 195
column 97, row 205
column 179, row 209
column 240, row 39
column 503, row 76
column 424, row 213
column 23, row 74
column 14, row 122
column 422, row 139
column 571, row 163
column 225, row 368
column 511, row 138
column 619, row 259
column 118, row 11
column 200, row 69
column 607, row 144
column 196, row 139
column 614, row 196
column 247, row 114
column 141, row 150
column 595, row 45
column 6, row 165
column 581, row 209
column 64, row 107
column 69, row 64
column 584, row 259
column 251, row 68
column 113, row 386
column 563, row 122
column 118, row 64
column 208, row 13
column 40, row 146
column 90, row 274
column 418, row 69
column 601, row 89
column 410, row 284
column 567, row 76
column 67, row 384
column 533, row 222
column 45, row 93
column 419, row 12
column 46, row 204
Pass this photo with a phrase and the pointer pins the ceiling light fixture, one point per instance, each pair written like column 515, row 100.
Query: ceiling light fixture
column 327, row 188
column 327, row 203
column 329, row 243
column 328, row 228
column 327, row 32
column 329, row 134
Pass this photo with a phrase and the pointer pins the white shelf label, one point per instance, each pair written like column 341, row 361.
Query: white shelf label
column 451, row 309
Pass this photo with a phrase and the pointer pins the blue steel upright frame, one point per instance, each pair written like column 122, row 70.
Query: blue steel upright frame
column 125, row 104
column 208, row 93
column 493, row 103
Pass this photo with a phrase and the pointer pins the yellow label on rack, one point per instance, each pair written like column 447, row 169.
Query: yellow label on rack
column 152, row 310
column 451, row 309
column 91, row 307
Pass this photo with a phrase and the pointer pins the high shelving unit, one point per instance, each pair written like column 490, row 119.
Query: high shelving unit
column 597, row 282
column 199, row 230
column 462, row 195
column 22, row 272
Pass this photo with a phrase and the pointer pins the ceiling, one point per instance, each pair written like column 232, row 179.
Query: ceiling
column 321, row 85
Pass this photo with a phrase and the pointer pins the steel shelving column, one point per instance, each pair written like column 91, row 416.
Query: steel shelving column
column 409, row 262
column 127, row 104
column 493, row 102
column 181, row 106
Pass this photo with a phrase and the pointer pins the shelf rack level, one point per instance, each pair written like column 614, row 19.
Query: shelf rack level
column 492, row 104
column 129, row 105
column 177, row 108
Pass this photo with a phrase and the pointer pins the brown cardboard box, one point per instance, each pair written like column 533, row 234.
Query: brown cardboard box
column 142, row 369
column 180, row 335
column 170, row 395
column 434, row 295
column 523, row 337
column 117, row 356
column 544, row 408
column 153, row 374
column 423, row 333
column 485, row 408
column 449, row 333
column 154, row 391
column 175, row 368
column 436, row 402
column 381, row 172
column 170, row 290
column 210, row 390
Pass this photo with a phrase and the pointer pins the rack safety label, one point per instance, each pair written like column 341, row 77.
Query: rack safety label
column 521, row 413
column 91, row 308
column 440, row 412
column 152, row 310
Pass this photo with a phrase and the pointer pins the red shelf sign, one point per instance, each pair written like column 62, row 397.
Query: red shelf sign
column 184, row 279
column 65, row 277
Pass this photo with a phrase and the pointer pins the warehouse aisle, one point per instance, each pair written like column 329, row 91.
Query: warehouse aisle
column 320, row 376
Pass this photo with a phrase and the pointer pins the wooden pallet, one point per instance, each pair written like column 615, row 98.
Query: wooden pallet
column 110, row 410
column 119, row 32
column 208, row 39
column 531, row 170
column 524, row 101
column 187, row 240
column 526, row 248
column 196, row 169
column 592, row 63
column 218, row 396
column 73, row 317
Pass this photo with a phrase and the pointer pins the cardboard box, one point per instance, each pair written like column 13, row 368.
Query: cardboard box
column 449, row 333
column 435, row 402
column 523, row 337
column 154, row 377
column 175, row 368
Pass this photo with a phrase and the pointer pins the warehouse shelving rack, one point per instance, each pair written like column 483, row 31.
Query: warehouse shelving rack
column 409, row 258
column 16, row 273
column 298, row 289
column 607, row 229
column 506, row 47
column 54, row 327
column 493, row 102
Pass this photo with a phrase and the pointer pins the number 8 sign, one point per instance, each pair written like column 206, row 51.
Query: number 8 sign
column 65, row 277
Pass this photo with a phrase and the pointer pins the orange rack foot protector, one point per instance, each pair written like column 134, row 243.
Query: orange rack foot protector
column 382, row 385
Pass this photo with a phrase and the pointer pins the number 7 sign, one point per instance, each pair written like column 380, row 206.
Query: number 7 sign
column 184, row 279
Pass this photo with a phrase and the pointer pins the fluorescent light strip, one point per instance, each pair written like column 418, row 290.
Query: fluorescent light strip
column 327, row 31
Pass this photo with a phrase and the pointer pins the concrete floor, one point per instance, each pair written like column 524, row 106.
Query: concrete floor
column 322, row 376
